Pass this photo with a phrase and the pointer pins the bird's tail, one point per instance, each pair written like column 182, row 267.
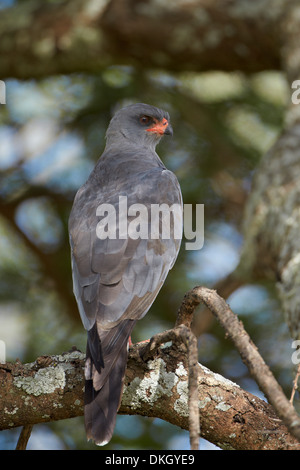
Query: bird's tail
column 106, row 359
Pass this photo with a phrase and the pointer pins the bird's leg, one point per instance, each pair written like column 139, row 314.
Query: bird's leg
column 130, row 343
column 144, row 341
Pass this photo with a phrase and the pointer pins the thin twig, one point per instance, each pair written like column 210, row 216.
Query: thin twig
column 249, row 353
column 295, row 384
column 194, row 415
column 24, row 437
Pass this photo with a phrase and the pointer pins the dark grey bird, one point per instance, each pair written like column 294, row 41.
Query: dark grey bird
column 118, row 273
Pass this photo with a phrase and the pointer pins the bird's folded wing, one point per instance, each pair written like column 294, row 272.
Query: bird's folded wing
column 118, row 279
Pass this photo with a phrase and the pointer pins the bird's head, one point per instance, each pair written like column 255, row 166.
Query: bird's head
column 140, row 124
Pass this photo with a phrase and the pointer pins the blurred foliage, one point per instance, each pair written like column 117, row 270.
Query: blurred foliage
column 51, row 134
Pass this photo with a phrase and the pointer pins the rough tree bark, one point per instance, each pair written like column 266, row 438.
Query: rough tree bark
column 51, row 389
column 272, row 220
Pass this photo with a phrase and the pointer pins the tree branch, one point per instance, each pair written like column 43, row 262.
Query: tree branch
column 51, row 388
column 24, row 437
column 182, row 334
column 75, row 36
column 249, row 354
column 272, row 218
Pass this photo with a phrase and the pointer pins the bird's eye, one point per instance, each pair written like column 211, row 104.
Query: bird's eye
column 145, row 120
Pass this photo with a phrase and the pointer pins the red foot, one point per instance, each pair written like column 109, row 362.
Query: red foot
column 145, row 341
column 130, row 343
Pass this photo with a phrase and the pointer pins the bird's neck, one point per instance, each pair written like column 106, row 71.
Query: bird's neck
column 120, row 140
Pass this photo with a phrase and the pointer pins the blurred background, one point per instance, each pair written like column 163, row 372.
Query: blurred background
column 51, row 135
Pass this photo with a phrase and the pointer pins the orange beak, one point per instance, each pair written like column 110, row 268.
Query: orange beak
column 161, row 128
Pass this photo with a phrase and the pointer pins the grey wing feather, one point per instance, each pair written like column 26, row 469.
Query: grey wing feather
column 110, row 275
